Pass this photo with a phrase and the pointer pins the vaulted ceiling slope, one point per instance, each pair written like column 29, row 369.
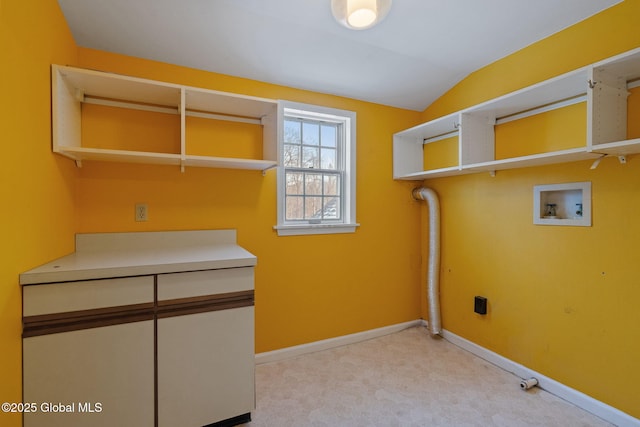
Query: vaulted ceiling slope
column 419, row 51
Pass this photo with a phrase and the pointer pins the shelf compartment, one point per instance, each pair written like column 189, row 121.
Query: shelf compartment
column 217, row 138
column 441, row 153
column 566, row 86
column 408, row 152
column 212, row 101
column 241, row 109
column 612, row 84
column 125, row 129
column 547, row 131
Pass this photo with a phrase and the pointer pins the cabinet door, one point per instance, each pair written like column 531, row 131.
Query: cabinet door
column 98, row 377
column 205, row 367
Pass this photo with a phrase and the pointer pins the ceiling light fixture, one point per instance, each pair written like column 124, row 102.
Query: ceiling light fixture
column 360, row 14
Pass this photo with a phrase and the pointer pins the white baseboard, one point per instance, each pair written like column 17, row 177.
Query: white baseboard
column 581, row 400
column 298, row 350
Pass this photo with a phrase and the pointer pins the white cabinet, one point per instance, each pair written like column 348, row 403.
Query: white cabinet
column 141, row 329
column 173, row 105
column 468, row 137
column 205, row 347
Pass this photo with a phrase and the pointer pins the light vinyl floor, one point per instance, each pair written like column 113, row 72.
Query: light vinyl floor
column 403, row 379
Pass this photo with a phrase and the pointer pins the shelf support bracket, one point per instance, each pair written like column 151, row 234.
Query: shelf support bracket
column 492, row 173
column 622, row 160
column 264, row 171
column 78, row 163
column 597, row 161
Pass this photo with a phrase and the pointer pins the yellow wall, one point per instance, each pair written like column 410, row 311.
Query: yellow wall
column 562, row 300
column 307, row 288
column 37, row 219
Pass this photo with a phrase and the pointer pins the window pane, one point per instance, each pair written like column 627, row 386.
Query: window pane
column 331, row 208
column 294, row 209
column 310, row 133
column 294, row 182
column 292, row 132
column 313, row 184
column 313, row 207
column 310, row 157
column 331, row 185
column 291, row 156
column 329, row 159
column 328, row 135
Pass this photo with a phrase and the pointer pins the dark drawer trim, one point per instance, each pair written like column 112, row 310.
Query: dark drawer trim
column 45, row 324
column 203, row 304
column 54, row 323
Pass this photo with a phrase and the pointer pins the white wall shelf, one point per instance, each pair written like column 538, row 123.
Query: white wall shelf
column 562, row 204
column 603, row 85
column 73, row 87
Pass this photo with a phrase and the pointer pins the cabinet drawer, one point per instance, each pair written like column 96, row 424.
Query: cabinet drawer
column 202, row 283
column 86, row 295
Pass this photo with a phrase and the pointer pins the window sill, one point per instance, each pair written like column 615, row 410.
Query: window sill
column 309, row 229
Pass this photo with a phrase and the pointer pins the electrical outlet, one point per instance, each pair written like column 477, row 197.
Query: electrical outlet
column 480, row 305
column 141, row 212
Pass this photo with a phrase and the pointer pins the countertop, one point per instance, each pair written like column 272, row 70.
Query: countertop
column 106, row 255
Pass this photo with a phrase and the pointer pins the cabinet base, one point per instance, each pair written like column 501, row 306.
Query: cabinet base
column 230, row 422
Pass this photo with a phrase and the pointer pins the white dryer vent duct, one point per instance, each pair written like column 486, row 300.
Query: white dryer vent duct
column 433, row 269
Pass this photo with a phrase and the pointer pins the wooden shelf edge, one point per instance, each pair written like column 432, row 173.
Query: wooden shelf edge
column 228, row 163
column 564, row 156
column 618, row 148
column 435, row 173
column 107, row 155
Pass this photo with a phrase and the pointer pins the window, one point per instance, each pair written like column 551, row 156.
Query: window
column 316, row 177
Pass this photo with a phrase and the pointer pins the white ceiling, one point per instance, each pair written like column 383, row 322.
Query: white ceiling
column 421, row 49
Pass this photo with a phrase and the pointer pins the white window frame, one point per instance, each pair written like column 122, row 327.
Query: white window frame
column 348, row 120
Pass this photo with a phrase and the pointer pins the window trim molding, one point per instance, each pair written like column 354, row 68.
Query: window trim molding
column 315, row 112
